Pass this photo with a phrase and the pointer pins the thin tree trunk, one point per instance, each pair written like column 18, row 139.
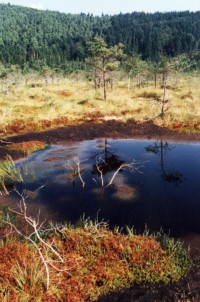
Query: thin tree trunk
column 164, row 93
column 104, row 86
column 129, row 81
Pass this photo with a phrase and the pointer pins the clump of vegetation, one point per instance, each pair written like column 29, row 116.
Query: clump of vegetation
column 5, row 215
column 97, row 261
column 27, row 147
column 150, row 95
column 8, row 174
column 5, row 212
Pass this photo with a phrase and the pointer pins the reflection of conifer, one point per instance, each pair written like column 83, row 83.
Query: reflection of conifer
column 161, row 149
column 107, row 161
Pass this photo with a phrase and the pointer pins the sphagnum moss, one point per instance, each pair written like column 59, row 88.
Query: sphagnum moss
column 97, row 261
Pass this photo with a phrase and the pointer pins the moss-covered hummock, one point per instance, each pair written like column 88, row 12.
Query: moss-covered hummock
column 97, row 261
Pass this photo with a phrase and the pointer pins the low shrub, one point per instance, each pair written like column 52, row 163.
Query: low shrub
column 150, row 95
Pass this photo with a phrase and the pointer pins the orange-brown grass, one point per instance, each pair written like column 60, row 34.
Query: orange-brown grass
column 37, row 106
column 27, row 147
column 22, row 126
column 97, row 261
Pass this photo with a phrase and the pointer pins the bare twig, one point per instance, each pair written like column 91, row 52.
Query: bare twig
column 36, row 225
column 38, row 250
column 78, row 171
column 131, row 166
column 101, row 174
column 77, row 161
column 125, row 165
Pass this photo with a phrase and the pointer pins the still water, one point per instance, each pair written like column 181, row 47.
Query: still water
column 159, row 188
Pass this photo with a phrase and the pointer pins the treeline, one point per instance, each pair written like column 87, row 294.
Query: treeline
column 32, row 39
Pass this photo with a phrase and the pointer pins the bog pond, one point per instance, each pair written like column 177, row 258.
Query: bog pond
column 157, row 186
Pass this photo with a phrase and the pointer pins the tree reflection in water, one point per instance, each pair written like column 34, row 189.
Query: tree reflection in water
column 161, row 149
column 106, row 161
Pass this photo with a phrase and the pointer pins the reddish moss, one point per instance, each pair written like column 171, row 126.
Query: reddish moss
column 96, row 262
column 27, row 147
column 22, row 126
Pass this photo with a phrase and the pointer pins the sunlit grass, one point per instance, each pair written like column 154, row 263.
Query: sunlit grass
column 40, row 107
column 8, row 174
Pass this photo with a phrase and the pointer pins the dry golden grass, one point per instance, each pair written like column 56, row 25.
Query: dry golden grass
column 36, row 107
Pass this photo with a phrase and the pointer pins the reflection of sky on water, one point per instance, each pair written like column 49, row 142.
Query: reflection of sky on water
column 164, row 192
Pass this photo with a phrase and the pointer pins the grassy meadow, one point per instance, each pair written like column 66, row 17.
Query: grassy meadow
column 36, row 106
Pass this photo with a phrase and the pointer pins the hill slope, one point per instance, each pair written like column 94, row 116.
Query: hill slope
column 52, row 38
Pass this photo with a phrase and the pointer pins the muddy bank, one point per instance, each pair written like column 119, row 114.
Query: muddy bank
column 109, row 129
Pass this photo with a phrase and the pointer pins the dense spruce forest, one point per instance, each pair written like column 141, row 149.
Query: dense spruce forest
column 32, row 38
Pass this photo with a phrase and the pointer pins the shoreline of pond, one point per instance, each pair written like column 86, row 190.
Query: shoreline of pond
column 109, row 129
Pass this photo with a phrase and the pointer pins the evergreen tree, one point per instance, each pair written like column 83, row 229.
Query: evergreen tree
column 103, row 61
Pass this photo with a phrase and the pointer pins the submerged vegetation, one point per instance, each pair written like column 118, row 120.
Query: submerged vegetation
column 96, row 261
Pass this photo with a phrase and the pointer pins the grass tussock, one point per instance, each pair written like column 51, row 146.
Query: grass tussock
column 9, row 175
column 37, row 107
column 97, row 261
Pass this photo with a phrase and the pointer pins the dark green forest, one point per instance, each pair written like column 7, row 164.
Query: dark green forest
column 33, row 38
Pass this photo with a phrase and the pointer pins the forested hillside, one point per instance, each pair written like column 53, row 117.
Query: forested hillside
column 33, row 38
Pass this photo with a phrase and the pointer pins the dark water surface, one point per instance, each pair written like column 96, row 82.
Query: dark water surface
column 162, row 191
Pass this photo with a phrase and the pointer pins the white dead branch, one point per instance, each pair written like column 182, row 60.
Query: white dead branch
column 101, row 174
column 125, row 165
column 77, row 162
column 36, row 225
column 133, row 167
column 77, row 170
